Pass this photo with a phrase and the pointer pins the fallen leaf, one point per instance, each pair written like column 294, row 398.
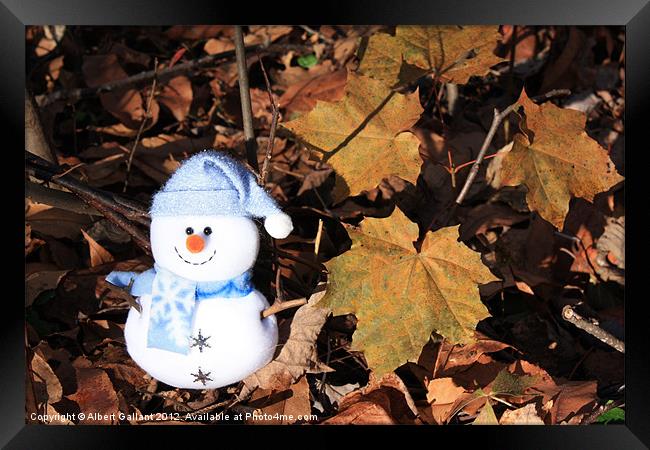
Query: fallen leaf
column 452, row 52
column 526, row 415
column 297, row 355
column 556, row 160
column 126, row 103
column 384, row 401
column 47, row 385
column 292, row 405
column 95, row 394
column 453, row 358
column 442, row 393
column 214, row 46
column 40, row 281
column 197, row 32
column 302, row 97
column 400, row 296
column 98, row 254
column 32, row 243
column 55, row 222
column 486, row 416
column 362, row 136
column 176, row 95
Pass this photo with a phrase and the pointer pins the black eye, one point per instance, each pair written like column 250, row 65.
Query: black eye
column 207, row 231
column 189, row 230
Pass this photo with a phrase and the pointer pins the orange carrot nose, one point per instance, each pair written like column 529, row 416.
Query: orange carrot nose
column 194, row 243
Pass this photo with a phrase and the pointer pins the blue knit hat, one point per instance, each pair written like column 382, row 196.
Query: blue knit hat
column 211, row 183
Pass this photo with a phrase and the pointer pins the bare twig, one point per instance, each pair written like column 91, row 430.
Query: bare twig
column 147, row 116
column 569, row 314
column 104, row 203
column 58, row 199
column 274, row 126
column 245, row 96
column 281, row 306
column 496, row 121
column 72, row 95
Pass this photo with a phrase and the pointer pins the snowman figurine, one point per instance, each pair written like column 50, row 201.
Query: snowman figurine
column 200, row 324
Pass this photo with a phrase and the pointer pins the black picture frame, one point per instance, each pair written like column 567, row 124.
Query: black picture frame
column 634, row 14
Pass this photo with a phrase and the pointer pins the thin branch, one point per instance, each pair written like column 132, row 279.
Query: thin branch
column 444, row 215
column 496, row 121
column 245, row 96
column 72, row 95
column 147, row 116
column 58, row 199
column 117, row 212
column 274, row 126
column 281, row 306
column 569, row 314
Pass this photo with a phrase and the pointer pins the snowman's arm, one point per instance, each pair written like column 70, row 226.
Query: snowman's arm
column 142, row 282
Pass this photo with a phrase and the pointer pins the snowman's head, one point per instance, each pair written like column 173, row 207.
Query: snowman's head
column 204, row 248
column 201, row 220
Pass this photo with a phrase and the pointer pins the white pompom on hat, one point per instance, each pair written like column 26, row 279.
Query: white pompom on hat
column 211, row 183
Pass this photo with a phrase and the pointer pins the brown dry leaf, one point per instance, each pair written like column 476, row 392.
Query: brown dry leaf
column 556, row 160
column 302, row 97
column 345, row 48
column 177, row 96
column 130, row 56
column 573, row 398
column 55, row 66
column 456, row 358
column 363, row 135
column 40, row 281
column 98, row 254
column 526, row 415
column 293, row 75
column 314, row 179
column 214, row 46
column 31, row 243
column 95, row 394
column 587, row 223
column 197, row 32
column 292, row 404
column 489, row 216
column 261, row 34
column 55, row 222
column 297, row 355
column 384, row 401
column 126, row 104
column 442, row 394
column 46, row 383
column 442, row 49
column 525, row 43
column 382, row 268
column 118, row 129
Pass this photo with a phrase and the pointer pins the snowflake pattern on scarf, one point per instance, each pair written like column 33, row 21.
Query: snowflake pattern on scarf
column 173, row 302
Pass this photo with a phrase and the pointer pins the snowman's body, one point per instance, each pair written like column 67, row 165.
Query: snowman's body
column 200, row 324
column 233, row 342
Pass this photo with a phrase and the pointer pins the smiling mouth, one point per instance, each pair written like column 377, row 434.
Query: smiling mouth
column 195, row 263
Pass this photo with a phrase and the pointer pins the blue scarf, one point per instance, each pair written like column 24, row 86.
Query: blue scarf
column 173, row 301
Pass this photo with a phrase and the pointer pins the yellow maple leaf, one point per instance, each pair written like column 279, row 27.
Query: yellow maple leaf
column 452, row 52
column 400, row 296
column 363, row 135
column 556, row 159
